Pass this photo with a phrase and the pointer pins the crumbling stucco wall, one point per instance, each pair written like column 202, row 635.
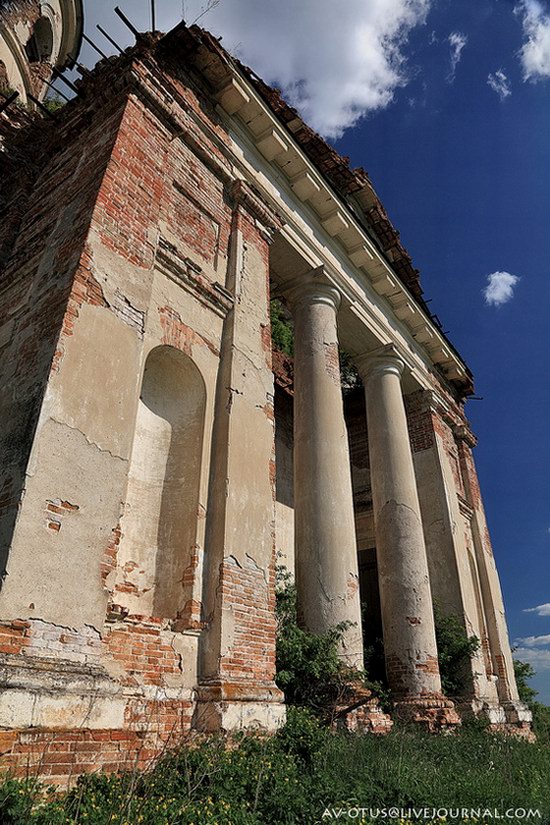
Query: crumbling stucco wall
column 145, row 271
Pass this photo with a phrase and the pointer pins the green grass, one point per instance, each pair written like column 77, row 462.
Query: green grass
column 294, row 776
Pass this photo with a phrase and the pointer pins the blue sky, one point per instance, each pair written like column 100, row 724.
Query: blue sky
column 446, row 103
column 465, row 175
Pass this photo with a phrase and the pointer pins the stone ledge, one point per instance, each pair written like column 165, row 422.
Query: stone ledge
column 232, row 706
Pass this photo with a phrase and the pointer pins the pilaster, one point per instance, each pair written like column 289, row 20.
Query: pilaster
column 237, row 660
column 446, row 517
column 517, row 714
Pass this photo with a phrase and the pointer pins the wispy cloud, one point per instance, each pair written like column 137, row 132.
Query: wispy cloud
column 457, row 42
column 535, row 650
column 540, row 610
column 534, row 641
column 500, row 84
column 535, row 52
column 500, row 288
column 334, row 61
column 540, row 659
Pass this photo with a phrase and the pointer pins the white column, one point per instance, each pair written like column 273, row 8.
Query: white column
column 327, row 576
column 407, row 613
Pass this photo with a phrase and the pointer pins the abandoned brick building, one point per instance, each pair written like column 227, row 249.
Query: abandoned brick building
column 158, row 459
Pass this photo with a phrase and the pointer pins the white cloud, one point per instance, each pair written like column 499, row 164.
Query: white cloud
column 540, row 610
column 539, row 659
column 534, row 641
column 500, row 288
column 500, row 84
column 457, row 42
column 334, row 61
column 535, row 52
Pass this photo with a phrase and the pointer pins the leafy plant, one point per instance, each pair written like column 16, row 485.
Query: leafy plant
column 541, row 723
column 53, row 103
column 349, row 376
column 524, row 671
column 309, row 668
column 282, row 332
column 455, row 650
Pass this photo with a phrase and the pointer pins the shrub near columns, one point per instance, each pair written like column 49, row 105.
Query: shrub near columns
column 310, row 672
column 309, row 669
column 455, row 650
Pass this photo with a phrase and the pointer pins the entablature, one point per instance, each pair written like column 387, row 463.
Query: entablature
column 284, row 163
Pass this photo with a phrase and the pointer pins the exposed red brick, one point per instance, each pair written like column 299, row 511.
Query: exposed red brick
column 177, row 334
column 144, row 653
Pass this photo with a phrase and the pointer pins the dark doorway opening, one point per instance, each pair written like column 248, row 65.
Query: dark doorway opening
column 372, row 615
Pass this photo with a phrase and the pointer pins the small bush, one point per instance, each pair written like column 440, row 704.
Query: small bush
column 282, row 332
column 524, row 671
column 53, row 103
column 309, row 668
column 455, row 650
column 541, row 723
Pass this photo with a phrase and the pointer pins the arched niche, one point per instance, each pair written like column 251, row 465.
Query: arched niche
column 39, row 46
column 160, row 523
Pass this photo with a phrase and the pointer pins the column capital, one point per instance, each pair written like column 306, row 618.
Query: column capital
column 312, row 288
column 385, row 360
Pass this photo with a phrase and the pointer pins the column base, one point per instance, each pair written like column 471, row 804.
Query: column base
column 481, row 708
column 231, row 707
column 359, row 712
column 434, row 712
column 513, row 718
column 518, row 721
column 517, row 713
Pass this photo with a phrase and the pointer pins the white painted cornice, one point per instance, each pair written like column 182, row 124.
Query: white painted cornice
column 239, row 100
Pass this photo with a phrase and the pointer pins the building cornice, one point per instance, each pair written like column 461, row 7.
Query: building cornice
column 239, row 100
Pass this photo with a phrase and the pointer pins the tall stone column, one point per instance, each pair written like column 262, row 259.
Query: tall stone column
column 327, row 576
column 407, row 612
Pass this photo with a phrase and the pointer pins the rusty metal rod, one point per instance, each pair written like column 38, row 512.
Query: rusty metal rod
column 58, row 74
column 40, row 105
column 8, row 101
column 93, row 45
column 61, row 94
column 127, row 22
column 109, row 38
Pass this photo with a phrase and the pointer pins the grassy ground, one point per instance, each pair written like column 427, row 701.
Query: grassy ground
column 306, row 775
